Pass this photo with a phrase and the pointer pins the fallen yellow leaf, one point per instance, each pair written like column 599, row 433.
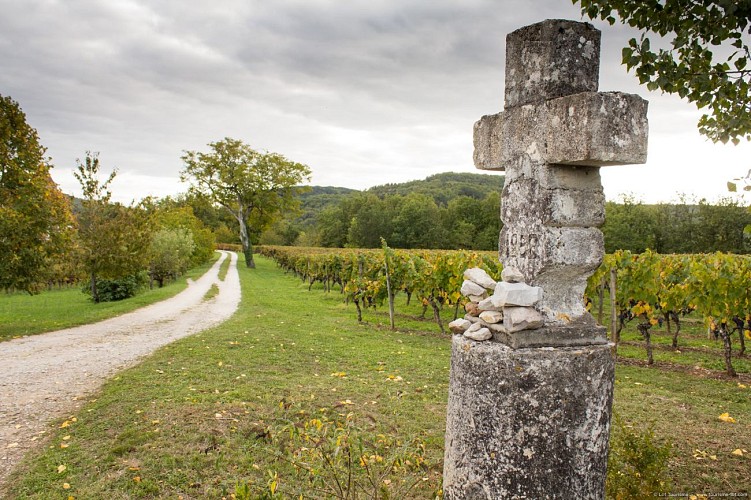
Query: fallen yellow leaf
column 65, row 424
column 137, row 479
column 725, row 417
column 65, row 438
column 64, row 445
column 66, row 486
column 61, row 469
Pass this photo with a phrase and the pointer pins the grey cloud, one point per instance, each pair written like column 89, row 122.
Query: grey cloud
column 364, row 91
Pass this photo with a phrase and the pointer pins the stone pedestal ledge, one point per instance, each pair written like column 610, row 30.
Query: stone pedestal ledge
column 527, row 423
column 574, row 335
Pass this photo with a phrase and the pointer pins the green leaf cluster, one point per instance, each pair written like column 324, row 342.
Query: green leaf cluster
column 706, row 63
column 170, row 253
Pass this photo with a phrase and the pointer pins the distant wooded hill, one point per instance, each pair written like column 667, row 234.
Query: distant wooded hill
column 441, row 187
column 445, row 187
column 462, row 210
column 447, row 210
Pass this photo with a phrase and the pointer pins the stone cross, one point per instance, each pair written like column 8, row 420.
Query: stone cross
column 554, row 134
column 528, row 412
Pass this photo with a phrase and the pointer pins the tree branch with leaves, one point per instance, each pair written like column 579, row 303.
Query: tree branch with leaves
column 708, row 62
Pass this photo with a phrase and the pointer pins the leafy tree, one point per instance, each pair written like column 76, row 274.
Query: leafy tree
column 170, row 253
column 489, row 232
column 719, row 81
column 172, row 214
column 722, row 225
column 678, row 227
column 418, row 223
column 35, row 218
column 473, row 224
column 333, row 225
column 371, row 220
column 629, row 225
column 114, row 239
column 284, row 232
column 253, row 186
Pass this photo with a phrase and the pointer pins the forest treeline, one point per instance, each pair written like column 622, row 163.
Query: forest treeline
column 461, row 211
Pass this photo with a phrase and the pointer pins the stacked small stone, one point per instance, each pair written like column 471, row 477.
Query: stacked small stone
column 509, row 309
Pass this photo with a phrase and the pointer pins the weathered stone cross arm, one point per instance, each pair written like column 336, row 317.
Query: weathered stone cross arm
column 592, row 129
column 552, row 101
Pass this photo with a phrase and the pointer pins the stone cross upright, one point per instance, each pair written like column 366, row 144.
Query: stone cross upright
column 528, row 412
column 554, row 134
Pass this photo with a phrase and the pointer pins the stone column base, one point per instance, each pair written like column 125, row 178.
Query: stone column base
column 527, row 423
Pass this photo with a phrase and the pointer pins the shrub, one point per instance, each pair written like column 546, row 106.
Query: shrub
column 170, row 253
column 637, row 464
column 118, row 289
column 330, row 455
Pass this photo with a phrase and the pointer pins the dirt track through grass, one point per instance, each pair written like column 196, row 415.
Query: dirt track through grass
column 43, row 377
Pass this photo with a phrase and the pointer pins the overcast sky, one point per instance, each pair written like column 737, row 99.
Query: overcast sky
column 365, row 92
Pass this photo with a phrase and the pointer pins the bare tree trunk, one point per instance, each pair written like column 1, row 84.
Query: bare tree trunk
column 245, row 240
column 94, row 291
column 390, row 296
column 677, row 324
column 359, row 311
column 742, row 341
column 727, row 351
column 644, row 330
column 437, row 314
column 739, row 327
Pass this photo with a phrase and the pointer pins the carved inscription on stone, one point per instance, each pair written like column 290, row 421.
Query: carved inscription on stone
column 527, row 245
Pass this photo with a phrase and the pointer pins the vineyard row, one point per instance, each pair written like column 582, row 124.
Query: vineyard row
column 647, row 287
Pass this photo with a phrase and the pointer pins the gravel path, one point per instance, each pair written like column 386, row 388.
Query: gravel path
column 44, row 377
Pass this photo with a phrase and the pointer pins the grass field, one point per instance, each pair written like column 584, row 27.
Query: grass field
column 292, row 393
column 23, row 314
